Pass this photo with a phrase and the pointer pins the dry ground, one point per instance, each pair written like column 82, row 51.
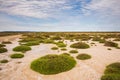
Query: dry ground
column 92, row 69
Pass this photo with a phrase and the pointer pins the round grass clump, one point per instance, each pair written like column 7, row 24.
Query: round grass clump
column 63, row 49
column 66, row 54
column 2, row 50
column 2, row 45
column 17, row 55
column 80, row 45
column 112, row 72
column 22, row 48
column 4, row 61
column 111, row 44
column 53, row 64
column 54, row 48
column 32, row 43
column 61, row 45
column 83, row 56
column 6, row 42
column 111, row 77
column 73, row 51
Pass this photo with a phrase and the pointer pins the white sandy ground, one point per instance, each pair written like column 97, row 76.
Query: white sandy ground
column 92, row 69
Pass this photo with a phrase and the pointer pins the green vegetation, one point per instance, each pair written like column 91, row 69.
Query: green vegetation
column 63, row 49
column 6, row 42
column 56, row 38
column 73, row 51
column 80, row 45
column 4, row 61
column 53, row 64
column 2, row 45
column 54, row 48
column 2, row 50
column 47, row 41
column 109, row 49
column 66, row 54
column 111, row 44
column 32, row 43
column 83, row 56
column 61, row 44
column 17, row 55
column 22, row 48
column 112, row 72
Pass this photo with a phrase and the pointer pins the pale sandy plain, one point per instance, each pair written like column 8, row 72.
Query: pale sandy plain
column 92, row 69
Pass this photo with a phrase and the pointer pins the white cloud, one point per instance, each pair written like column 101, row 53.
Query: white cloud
column 103, row 7
column 33, row 8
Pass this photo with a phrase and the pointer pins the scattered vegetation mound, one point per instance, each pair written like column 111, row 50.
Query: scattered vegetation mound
column 63, row 49
column 17, row 55
column 54, row 48
column 83, row 56
column 80, row 45
column 4, row 61
column 61, row 44
column 111, row 44
column 2, row 50
column 22, row 48
column 53, row 64
column 112, row 72
column 2, row 45
column 32, row 43
column 6, row 42
column 73, row 51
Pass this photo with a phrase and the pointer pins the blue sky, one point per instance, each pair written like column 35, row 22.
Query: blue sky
column 59, row 15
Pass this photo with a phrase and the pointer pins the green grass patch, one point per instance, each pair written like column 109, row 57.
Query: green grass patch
column 63, row 49
column 22, row 48
column 53, row 64
column 32, row 43
column 61, row 44
column 73, row 51
column 17, row 55
column 54, row 48
column 2, row 45
column 83, row 56
column 111, row 44
column 2, row 50
column 4, row 61
column 80, row 45
column 112, row 72
column 6, row 42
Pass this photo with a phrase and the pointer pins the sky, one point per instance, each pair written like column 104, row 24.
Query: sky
column 59, row 15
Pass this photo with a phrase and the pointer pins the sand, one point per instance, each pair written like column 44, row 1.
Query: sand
column 92, row 69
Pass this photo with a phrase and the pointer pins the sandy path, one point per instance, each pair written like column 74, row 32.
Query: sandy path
column 91, row 69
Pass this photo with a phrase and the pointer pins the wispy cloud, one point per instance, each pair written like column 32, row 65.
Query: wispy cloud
column 60, row 14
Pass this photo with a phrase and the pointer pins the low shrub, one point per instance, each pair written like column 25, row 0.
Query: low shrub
column 80, row 45
column 54, row 48
column 109, row 49
column 4, row 61
column 32, row 43
column 47, row 41
column 83, row 56
column 2, row 45
column 112, row 72
column 63, row 49
column 61, row 45
column 2, row 50
column 117, row 39
column 6, row 42
column 111, row 44
column 53, row 64
column 96, row 39
column 22, row 48
column 102, row 41
column 73, row 51
column 56, row 38
column 66, row 54
column 17, row 55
